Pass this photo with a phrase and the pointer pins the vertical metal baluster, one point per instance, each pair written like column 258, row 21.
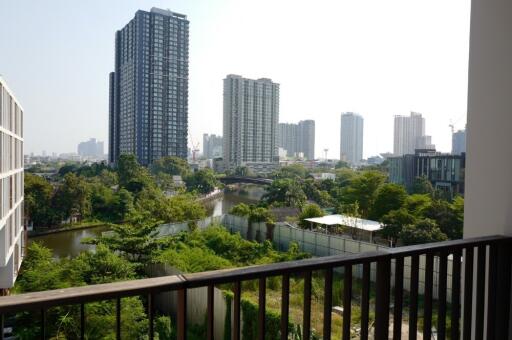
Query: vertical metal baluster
column 285, row 304
column 82, row 321
column 399, row 293
column 118, row 318
column 307, row 306
column 413, row 304
column 328, row 303
column 502, row 291
column 182, row 314
column 441, row 315
column 492, row 291
column 210, row 302
column 347, row 301
column 365, row 301
column 455, row 318
column 151, row 313
column 261, row 307
column 382, row 298
column 427, row 311
column 480, row 292
column 236, row 311
column 43, row 324
column 2, row 325
column 468, row 293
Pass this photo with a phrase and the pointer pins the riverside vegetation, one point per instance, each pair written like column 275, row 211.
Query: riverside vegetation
column 133, row 199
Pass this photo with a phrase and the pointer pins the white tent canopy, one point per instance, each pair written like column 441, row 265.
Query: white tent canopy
column 347, row 221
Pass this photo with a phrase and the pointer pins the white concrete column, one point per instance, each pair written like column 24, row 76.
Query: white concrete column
column 488, row 198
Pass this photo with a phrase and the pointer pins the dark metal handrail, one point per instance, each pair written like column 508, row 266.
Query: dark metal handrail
column 493, row 282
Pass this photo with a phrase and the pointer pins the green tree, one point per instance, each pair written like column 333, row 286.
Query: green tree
column 293, row 171
column 65, row 169
column 394, row 223
column 309, row 211
column 203, row 181
column 73, row 197
column 449, row 219
column 40, row 271
column 363, row 189
column 423, row 231
column 122, row 206
column 261, row 214
column 388, row 197
column 285, row 192
column 417, row 204
column 341, row 165
column 38, row 196
column 132, row 175
column 170, row 165
column 241, row 209
column 422, row 186
column 100, row 266
column 135, row 241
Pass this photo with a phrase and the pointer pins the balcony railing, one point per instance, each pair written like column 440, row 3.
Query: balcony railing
column 480, row 299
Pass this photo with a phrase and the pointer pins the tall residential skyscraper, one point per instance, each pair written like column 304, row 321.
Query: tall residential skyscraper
column 409, row 135
column 149, row 88
column 459, row 142
column 297, row 138
column 212, row 146
column 351, row 138
column 251, row 115
column 12, row 240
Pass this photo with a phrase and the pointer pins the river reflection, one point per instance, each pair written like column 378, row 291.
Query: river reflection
column 68, row 243
column 248, row 194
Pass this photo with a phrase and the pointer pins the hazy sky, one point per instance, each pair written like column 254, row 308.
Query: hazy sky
column 377, row 58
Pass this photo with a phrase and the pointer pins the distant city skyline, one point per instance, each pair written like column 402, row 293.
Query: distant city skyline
column 396, row 60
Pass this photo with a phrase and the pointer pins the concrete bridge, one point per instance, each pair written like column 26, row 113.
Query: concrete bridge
column 242, row 179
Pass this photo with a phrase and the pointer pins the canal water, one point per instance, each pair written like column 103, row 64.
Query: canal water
column 68, row 243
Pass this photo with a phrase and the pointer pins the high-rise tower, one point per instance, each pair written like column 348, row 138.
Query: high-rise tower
column 351, row 138
column 149, row 87
column 251, row 115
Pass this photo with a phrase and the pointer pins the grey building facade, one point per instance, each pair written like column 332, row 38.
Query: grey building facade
column 351, row 138
column 149, row 87
column 298, row 138
column 212, row 146
column 459, row 142
column 251, row 115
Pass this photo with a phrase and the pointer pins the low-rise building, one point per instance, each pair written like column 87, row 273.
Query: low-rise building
column 444, row 171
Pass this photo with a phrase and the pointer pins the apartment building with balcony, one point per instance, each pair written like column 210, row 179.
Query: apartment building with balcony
column 12, row 241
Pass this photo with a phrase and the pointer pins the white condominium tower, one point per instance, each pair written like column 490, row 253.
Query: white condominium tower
column 351, row 138
column 410, row 134
column 12, row 241
column 251, row 115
